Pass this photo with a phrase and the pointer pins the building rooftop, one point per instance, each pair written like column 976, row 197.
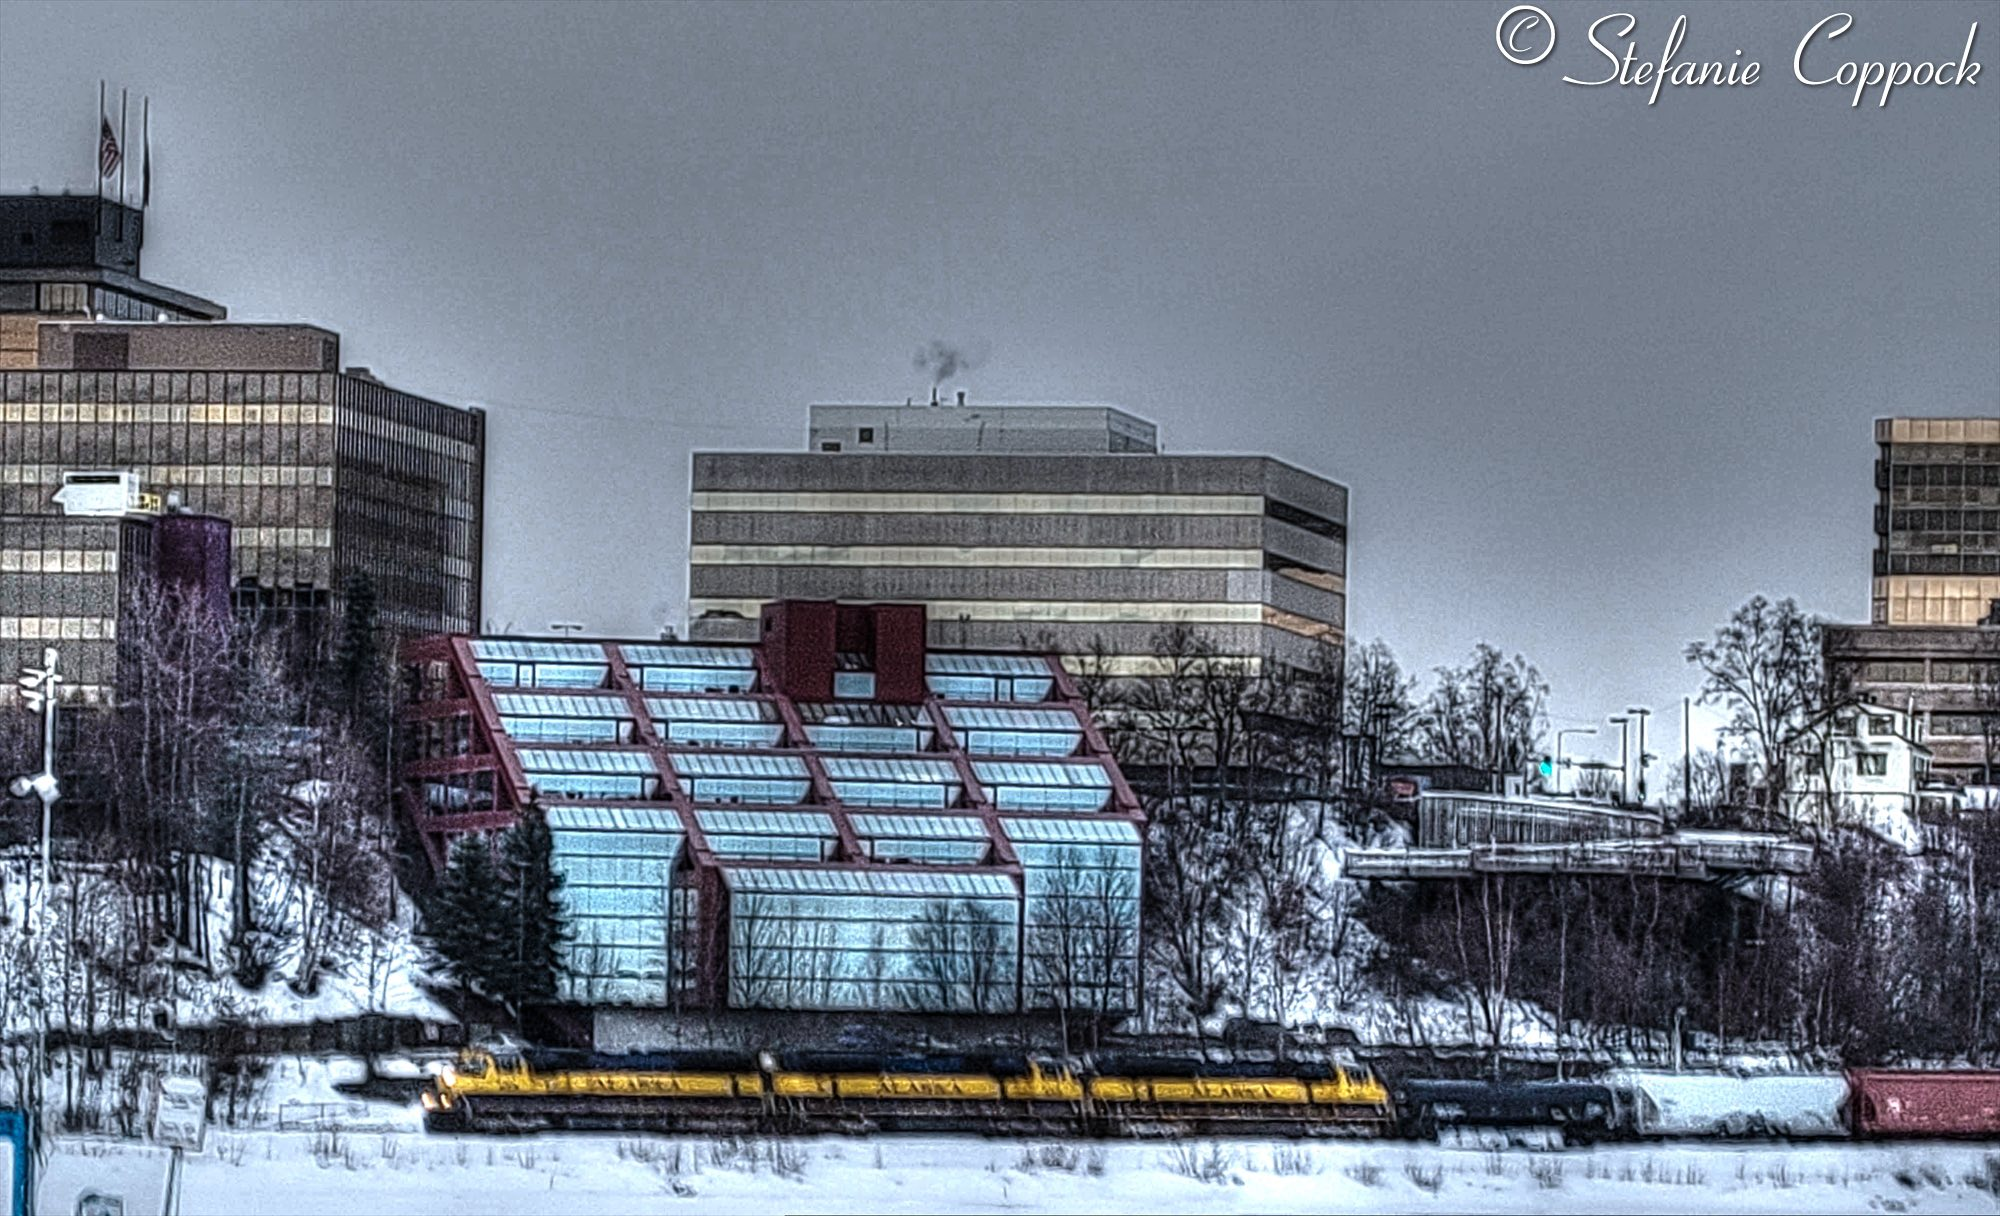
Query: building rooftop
column 947, row 745
column 952, row 425
column 50, row 240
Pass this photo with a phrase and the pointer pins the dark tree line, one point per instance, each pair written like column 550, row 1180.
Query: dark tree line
column 1874, row 957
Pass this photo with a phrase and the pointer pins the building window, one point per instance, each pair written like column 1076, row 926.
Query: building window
column 1881, row 724
column 867, row 434
column 854, row 685
column 1872, row 764
column 830, row 445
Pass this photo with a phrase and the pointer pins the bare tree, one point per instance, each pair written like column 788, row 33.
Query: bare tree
column 960, row 958
column 761, row 947
column 1765, row 666
column 1082, row 941
column 1489, row 714
column 1380, row 710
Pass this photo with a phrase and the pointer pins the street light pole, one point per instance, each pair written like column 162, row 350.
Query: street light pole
column 1687, row 755
column 1624, row 770
column 1567, row 730
column 38, row 690
column 1642, row 713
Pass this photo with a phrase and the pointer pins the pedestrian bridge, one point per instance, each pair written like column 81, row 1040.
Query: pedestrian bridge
column 1694, row 856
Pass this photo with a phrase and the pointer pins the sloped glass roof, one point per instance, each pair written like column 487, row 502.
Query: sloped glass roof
column 767, row 823
column 539, row 705
column 916, row 884
column 984, row 664
column 925, row 827
column 1022, row 772
column 568, row 760
column 853, row 768
column 733, row 764
column 993, row 717
column 710, row 709
column 689, row 656
column 862, row 713
column 1071, row 831
column 538, row 652
column 613, row 819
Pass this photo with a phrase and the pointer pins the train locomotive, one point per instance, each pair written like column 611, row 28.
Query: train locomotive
column 807, row 1092
column 804, row 1092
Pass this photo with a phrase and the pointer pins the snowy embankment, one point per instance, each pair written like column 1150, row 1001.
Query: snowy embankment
column 93, row 939
column 362, row 1175
column 1338, row 993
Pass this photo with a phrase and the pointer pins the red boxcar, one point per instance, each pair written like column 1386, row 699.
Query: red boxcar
column 1887, row 1103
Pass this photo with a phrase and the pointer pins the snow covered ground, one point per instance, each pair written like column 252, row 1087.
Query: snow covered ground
column 398, row 1173
column 374, row 971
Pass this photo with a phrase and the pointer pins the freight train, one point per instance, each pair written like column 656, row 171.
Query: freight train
column 1126, row 1095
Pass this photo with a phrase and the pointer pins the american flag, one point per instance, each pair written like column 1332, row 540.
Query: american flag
column 108, row 154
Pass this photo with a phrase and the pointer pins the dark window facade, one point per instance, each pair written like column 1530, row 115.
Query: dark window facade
column 321, row 476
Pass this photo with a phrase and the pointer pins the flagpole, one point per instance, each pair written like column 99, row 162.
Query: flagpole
column 122, row 158
column 146, row 144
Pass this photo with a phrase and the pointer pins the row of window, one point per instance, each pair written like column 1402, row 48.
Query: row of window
column 1052, row 611
column 981, row 556
column 1944, row 453
column 835, row 502
column 1949, row 496
column 1953, row 474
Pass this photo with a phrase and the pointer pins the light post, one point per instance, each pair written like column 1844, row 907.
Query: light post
column 1642, row 713
column 1722, row 758
column 1567, row 730
column 1624, row 772
column 38, row 691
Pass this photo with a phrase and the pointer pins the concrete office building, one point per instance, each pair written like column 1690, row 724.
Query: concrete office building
column 1048, row 528
column 1933, row 645
column 325, row 475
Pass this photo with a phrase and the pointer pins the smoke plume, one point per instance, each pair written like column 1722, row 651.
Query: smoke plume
column 944, row 361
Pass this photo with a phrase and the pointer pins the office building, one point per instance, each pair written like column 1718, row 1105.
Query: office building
column 327, row 476
column 67, row 580
column 1932, row 648
column 834, row 816
column 1052, row 528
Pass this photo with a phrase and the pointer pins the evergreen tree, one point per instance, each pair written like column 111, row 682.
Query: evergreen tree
column 357, row 668
column 538, row 924
column 469, row 915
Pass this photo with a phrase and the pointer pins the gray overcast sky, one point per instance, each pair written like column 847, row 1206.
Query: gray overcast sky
column 1595, row 371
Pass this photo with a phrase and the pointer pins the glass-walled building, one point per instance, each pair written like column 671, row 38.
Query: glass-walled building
column 834, row 817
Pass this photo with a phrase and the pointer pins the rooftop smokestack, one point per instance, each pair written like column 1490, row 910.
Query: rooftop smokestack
column 961, row 398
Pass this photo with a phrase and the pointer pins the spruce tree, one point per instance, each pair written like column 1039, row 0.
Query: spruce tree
column 357, row 669
column 469, row 916
column 538, row 925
